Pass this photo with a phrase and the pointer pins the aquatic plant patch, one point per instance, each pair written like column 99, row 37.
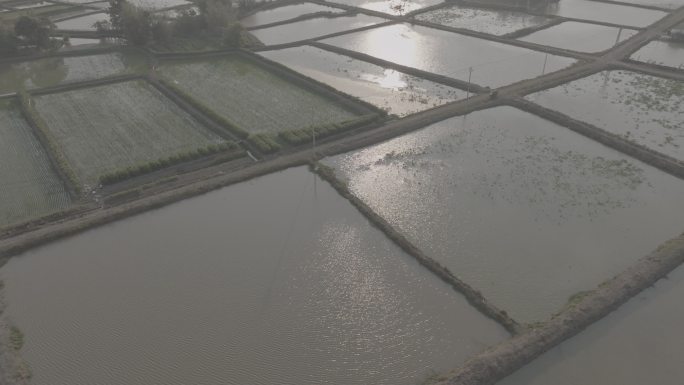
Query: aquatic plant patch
column 644, row 109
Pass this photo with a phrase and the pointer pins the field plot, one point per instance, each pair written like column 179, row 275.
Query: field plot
column 251, row 97
column 525, row 211
column 640, row 343
column 581, row 37
column 495, row 22
column 109, row 128
column 313, row 28
column 668, row 54
column 275, row 281
column 392, row 7
column 668, row 4
column 608, row 13
column 285, row 13
column 69, row 69
column 450, row 54
column 644, row 109
column 30, row 188
column 82, row 23
column 393, row 91
column 158, row 4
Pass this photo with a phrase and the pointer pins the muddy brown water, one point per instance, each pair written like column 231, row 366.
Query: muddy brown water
column 274, row 281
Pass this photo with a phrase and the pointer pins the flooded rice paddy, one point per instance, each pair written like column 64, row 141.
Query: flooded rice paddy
column 451, row 54
column 265, row 102
column 393, row 91
column 525, row 211
column 392, row 7
column 159, row 4
column 667, row 4
column 30, row 187
column 669, row 54
column 604, row 12
column 54, row 71
column 640, row 343
column 285, row 13
column 641, row 108
column 109, row 128
column 82, row 23
column 313, row 28
column 491, row 21
column 275, row 281
column 581, row 37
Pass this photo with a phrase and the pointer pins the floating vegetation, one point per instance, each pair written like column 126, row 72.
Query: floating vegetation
column 491, row 21
column 643, row 109
column 501, row 191
column 393, row 91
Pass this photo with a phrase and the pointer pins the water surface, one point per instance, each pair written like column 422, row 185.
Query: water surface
column 670, row 54
column 641, row 108
column 313, row 28
column 495, row 22
column 581, row 37
column 82, row 23
column 393, row 91
column 451, row 54
column 640, row 343
column 285, row 13
column 609, row 13
column 525, row 211
column 274, row 281
column 392, row 7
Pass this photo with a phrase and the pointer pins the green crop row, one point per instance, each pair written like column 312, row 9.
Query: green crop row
column 265, row 143
column 44, row 134
column 133, row 171
column 303, row 135
column 239, row 132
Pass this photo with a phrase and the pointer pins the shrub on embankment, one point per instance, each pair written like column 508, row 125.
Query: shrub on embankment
column 303, row 135
column 133, row 171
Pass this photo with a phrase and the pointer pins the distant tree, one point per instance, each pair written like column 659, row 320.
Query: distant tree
column 34, row 31
column 217, row 14
column 9, row 43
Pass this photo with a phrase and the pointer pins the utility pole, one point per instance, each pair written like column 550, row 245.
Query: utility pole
column 617, row 40
column 546, row 57
column 470, row 75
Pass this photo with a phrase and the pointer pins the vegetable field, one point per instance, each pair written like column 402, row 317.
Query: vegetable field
column 252, row 98
column 105, row 129
column 60, row 70
column 29, row 188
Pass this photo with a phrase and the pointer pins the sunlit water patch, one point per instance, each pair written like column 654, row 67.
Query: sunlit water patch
column 393, row 91
column 312, row 28
column 68, row 69
column 495, row 22
column 670, row 54
column 525, row 211
column 392, row 7
column 641, row 108
column 451, row 54
column 580, row 36
column 274, row 281
column 609, row 13
column 669, row 4
column 285, row 13
column 640, row 343
column 30, row 187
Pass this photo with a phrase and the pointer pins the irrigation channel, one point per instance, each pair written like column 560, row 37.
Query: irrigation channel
column 361, row 292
